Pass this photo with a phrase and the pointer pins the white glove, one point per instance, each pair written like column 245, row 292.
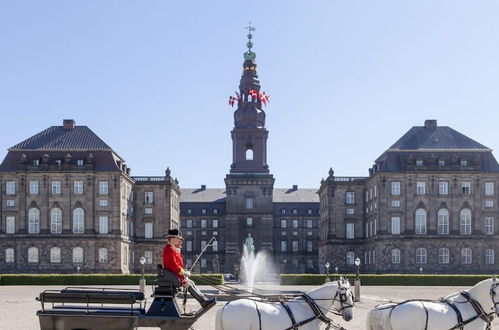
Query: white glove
column 187, row 273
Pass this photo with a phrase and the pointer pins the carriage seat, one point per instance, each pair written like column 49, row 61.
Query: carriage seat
column 167, row 282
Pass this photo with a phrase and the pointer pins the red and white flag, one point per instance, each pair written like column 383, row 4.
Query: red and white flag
column 264, row 98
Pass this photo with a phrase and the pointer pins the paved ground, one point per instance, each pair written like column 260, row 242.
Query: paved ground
column 18, row 306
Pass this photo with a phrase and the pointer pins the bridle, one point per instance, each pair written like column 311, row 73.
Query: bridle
column 493, row 296
column 342, row 297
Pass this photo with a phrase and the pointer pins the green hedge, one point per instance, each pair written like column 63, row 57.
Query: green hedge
column 388, row 279
column 94, row 279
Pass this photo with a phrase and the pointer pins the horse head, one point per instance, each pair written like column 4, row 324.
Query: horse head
column 343, row 300
column 494, row 294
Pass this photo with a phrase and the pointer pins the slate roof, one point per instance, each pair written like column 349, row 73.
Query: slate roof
column 58, row 138
column 280, row 195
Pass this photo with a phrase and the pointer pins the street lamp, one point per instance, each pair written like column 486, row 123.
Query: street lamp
column 327, row 265
column 357, row 280
column 142, row 282
column 336, row 273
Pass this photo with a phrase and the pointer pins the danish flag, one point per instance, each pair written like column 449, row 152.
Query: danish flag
column 264, row 98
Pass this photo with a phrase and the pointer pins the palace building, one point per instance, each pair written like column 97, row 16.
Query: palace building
column 68, row 203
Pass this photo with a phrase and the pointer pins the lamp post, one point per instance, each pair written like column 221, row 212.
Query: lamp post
column 336, row 273
column 327, row 265
column 357, row 280
column 142, row 282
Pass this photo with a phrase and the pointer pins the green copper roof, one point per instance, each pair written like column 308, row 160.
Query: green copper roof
column 249, row 55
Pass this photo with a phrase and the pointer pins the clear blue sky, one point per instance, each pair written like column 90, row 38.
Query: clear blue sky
column 346, row 78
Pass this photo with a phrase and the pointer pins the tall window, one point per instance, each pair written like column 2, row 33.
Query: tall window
column 443, row 188
column 203, row 223
column 103, row 224
column 148, row 256
column 56, row 187
column 465, row 222
column 489, row 188
column 10, row 187
column 284, row 246
column 56, row 220
column 103, row 187
column 420, row 255
column 295, row 223
column 420, row 226
column 283, row 223
column 203, row 245
column 395, row 225
column 310, row 246
column 420, row 187
column 214, row 247
column 395, row 256
column 188, row 223
column 489, row 226
column 395, row 188
column 443, row 222
column 78, row 187
column 489, row 256
column 33, row 221
column 148, row 230
column 249, row 154
column 466, row 188
column 350, row 197
column 77, row 255
column 188, row 246
column 33, row 187
column 33, row 255
column 9, row 255
column 103, row 256
column 214, row 223
column 249, row 222
column 55, row 255
column 443, row 256
column 249, row 203
column 350, row 227
column 350, row 258
column 466, row 256
column 10, row 225
column 149, row 197
column 78, row 221
column 310, row 223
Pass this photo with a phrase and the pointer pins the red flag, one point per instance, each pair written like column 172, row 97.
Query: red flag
column 253, row 93
column 264, row 98
column 231, row 101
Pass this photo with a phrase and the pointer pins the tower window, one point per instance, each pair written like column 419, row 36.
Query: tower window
column 249, row 154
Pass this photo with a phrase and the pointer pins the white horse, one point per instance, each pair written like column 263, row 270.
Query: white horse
column 470, row 310
column 307, row 311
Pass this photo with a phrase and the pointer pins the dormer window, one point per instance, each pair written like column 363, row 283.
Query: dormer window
column 441, row 162
column 464, row 162
column 79, row 162
column 36, row 162
column 419, row 162
column 58, row 162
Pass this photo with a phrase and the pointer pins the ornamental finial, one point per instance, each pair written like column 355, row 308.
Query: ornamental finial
column 249, row 55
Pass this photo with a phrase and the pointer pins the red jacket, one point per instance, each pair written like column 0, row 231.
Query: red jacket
column 172, row 261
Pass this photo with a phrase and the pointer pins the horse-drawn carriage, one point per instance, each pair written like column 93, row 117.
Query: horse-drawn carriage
column 110, row 309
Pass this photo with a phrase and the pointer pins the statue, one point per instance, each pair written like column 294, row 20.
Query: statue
column 216, row 264
column 248, row 242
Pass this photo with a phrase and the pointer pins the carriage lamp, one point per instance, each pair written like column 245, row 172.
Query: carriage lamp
column 327, row 265
column 357, row 280
column 142, row 281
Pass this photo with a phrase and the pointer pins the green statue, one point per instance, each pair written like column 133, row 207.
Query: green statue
column 249, row 244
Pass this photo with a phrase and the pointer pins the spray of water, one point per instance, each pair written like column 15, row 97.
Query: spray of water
column 256, row 268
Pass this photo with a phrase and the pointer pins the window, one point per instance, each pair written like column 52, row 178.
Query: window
column 310, row 223
column 203, row 211
column 350, row 228
column 489, row 203
column 350, row 211
column 103, row 256
column 309, row 211
column 466, row 256
column 148, row 230
column 283, row 211
column 103, row 225
column 149, row 257
column 36, row 162
column 214, row 223
column 149, row 197
column 215, row 233
column 78, row 220
column 56, row 220
column 77, row 255
column 419, row 162
column 310, row 263
column 466, row 188
column 489, row 256
column 148, row 210
column 295, row 246
column 11, row 202
column 215, row 211
column 395, row 203
column 103, row 187
column 103, row 202
column 78, row 187
column 249, row 203
column 465, row 222
column 310, row 246
column 10, row 187
column 441, row 162
column 395, row 256
column 215, row 246
column 350, row 197
column 443, row 256
column 464, row 162
column 249, row 221
column 284, row 246
column 350, row 258
column 79, row 162
column 203, row 245
column 188, row 223
column 489, row 226
column 188, row 246
column 203, row 223
column 295, row 223
column 395, row 225
column 33, row 255
column 295, row 211
column 420, row 188
column 420, row 226
column 189, row 211
column 249, row 154
column 489, row 188
column 55, row 255
column 33, row 187
column 9, row 255
column 443, row 222
column 10, row 225
column 283, row 223
column 420, row 255
column 33, row 221
column 56, row 187
column 395, row 188
column 443, row 188
column 203, row 262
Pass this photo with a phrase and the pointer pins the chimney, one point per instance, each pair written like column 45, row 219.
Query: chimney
column 68, row 124
column 430, row 124
column 295, row 187
column 203, row 187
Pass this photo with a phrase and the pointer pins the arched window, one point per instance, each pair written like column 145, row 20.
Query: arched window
column 443, row 256
column 466, row 256
column 9, row 255
column 78, row 221
column 395, row 256
column 77, row 255
column 465, row 222
column 489, row 257
column 103, row 258
column 350, row 258
column 148, row 256
column 33, row 220
column 249, row 154
column 33, row 255
column 421, row 255
column 55, row 255
column 420, row 225
column 443, row 221
column 56, row 221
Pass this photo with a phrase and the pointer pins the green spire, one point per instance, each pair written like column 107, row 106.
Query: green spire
column 249, row 55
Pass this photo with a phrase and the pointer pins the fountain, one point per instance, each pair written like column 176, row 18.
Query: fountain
column 255, row 267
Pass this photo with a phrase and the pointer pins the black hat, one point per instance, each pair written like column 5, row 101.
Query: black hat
column 174, row 233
